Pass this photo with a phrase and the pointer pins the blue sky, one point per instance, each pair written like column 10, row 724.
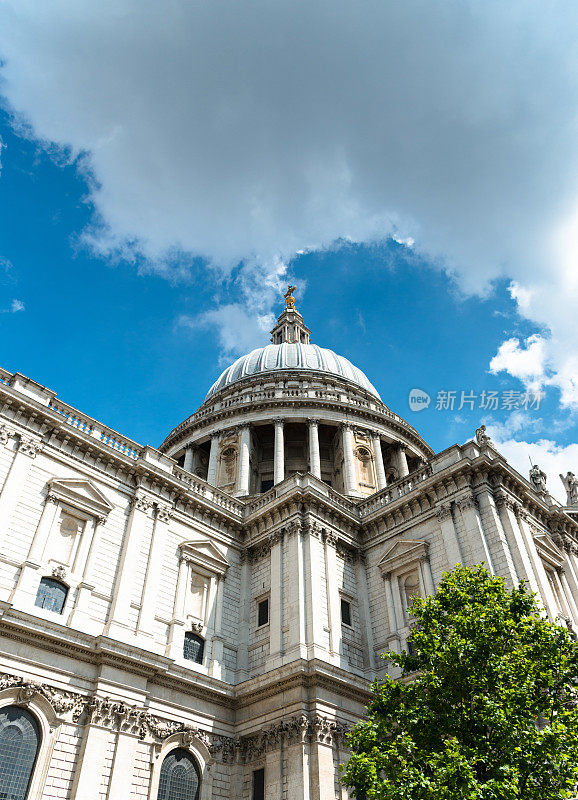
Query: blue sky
column 433, row 250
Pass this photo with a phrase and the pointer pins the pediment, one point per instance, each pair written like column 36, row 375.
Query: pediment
column 205, row 554
column 403, row 553
column 548, row 550
column 80, row 494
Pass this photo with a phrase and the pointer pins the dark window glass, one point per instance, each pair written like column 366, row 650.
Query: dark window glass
column 263, row 612
column 51, row 595
column 345, row 612
column 194, row 648
column 266, row 485
column 180, row 778
column 259, row 784
column 19, row 742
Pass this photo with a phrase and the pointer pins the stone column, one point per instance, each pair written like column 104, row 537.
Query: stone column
column 426, row 576
column 123, row 583
column 567, row 594
column 364, row 612
column 333, row 597
column 276, row 601
column 297, row 759
column 449, row 534
column 322, row 766
column 279, row 458
column 394, row 624
column 122, row 769
column 402, row 466
column 314, row 460
column 349, row 480
column 216, row 664
column 244, row 617
column 244, row 462
column 213, row 459
column 506, row 510
column 496, row 538
column 274, row 773
column 27, row 451
column 379, row 468
column 539, row 570
column 189, row 456
column 315, row 633
column 90, row 765
column 146, row 620
column 80, row 617
column 177, row 627
column 296, row 647
column 25, row 590
column 468, row 506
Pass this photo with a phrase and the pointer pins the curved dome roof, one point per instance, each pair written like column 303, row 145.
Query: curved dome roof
column 292, row 356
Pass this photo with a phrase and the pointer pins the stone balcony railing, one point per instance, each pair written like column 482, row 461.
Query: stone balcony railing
column 394, row 491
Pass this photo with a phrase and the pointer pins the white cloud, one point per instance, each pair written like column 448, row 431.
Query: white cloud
column 552, row 458
column 239, row 331
column 252, row 131
column 13, row 308
column 525, row 361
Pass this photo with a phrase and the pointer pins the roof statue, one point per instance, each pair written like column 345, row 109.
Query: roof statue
column 538, row 478
column 571, row 485
column 289, row 299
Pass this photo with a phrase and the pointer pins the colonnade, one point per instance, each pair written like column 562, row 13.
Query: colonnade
column 347, row 441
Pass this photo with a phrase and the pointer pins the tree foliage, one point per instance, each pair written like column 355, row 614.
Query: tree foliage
column 484, row 708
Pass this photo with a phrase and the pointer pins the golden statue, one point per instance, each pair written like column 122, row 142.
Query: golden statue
column 289, row 299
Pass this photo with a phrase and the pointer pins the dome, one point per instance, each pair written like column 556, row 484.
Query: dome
column 292, row 356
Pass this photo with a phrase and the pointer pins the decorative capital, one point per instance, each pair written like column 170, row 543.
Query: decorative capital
column 5, row 434
column 313, row 422
column 331, row 539
column 51, row 498
column 470, row 501
column 29, row 447
column 141, row 502
column 279, row 422
column 164, row 513
column 444, row 512
column 101, row 520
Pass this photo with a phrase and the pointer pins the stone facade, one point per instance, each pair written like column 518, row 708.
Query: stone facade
column 283, row 528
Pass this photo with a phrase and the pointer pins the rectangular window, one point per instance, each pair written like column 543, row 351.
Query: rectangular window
column 259, row 784
column 266, row 485
column 345, row 612
column 263, row 612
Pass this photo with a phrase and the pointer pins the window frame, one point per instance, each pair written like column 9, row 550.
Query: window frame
column 44, row 580
column 261, row 601
column 189, row 635
column 345, row 601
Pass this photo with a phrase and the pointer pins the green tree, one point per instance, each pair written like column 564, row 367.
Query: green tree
column 484, row 709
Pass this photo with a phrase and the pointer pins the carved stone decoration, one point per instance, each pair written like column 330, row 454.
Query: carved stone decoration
column 197, row 627
column 444, row 512
column 482, row 437
column 141, row 502
column 5, row 434
column 59, row 572
column 29, row 447
column 62, row 701
column 164, row 513
column 570, row 482
column 538, row 479
column 465, row 503
column 299, row 728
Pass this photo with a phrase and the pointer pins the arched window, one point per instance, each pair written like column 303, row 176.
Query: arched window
column 180, row 778
column 194, row 649
column 51, row 595
column 19, row 742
